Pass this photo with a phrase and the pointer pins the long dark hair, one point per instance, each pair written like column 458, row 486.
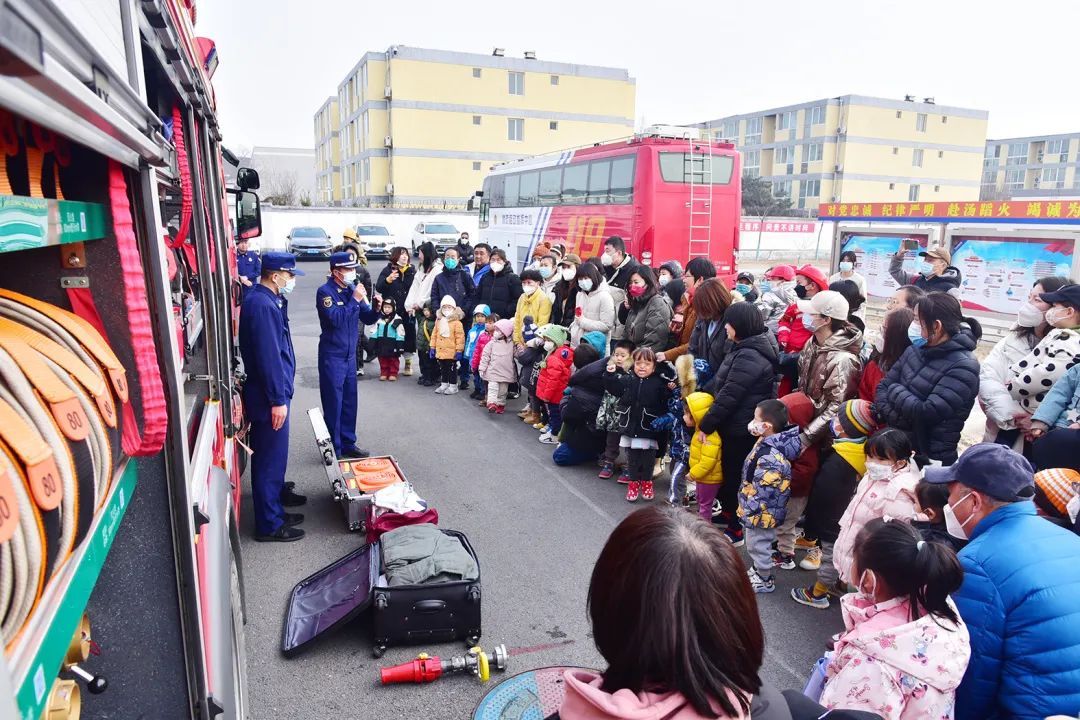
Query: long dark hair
column 1050, row 283
column 850, row 290
column 712, row 299
column 894, row 332
column 944, row 308
column 672, row 610
column 427, row 255
column 589, row 270
column 645, row 273
column 923, row 572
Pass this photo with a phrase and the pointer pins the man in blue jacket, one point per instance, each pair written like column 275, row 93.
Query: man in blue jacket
column 1021, row 594
column 248, row 266
column 270, row 364
column 341, row 303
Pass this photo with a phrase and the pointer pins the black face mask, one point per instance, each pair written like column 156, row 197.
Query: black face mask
column 800, row 291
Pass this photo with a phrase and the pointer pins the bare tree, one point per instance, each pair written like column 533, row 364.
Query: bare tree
column 280, row 187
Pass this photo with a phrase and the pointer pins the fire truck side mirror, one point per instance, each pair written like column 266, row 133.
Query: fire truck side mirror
column 247, row 179
column 248, row 215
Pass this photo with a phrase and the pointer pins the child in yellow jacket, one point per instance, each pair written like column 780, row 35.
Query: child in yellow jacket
column 448, row 344
column 705, row 469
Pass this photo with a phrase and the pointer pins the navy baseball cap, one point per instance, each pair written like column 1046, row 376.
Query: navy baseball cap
column 990, row 468
column 1065, row 295
column 281, row 261
column 342, row 260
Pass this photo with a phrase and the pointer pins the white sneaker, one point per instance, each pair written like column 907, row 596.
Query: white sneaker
column 451, row 389
column 441, row 389
column 548, row 439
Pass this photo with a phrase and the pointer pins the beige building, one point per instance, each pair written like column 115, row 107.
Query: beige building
column 327, row 153
column 1038, row 166
column 865, row 149
column 421, row 128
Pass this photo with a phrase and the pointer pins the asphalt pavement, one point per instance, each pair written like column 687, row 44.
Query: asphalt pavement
column 536, row 528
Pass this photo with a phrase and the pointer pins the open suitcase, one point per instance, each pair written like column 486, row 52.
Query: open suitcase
column 401, row 615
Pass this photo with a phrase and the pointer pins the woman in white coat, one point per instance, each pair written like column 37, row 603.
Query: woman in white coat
column 1006, row 420
column 595, row 308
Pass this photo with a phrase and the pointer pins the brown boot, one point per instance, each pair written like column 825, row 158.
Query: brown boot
column 531, row 419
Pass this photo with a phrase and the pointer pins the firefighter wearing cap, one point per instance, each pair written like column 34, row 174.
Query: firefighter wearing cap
column 936, row 271
column 342, row 304
column 270, row 364
column 248, row 266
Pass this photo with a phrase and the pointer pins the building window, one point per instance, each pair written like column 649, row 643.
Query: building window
column 944, row 119
column 554, row 79
column 553, row 125
column 781, row 188
column 476, row 166
column 896, row 151
column 913, row 193
column 817, row 115
column 937, row 188
column 785, row 120
column 515, row 129
column 475, row 119
column 751, row 163
column 808, row 189
column 920, row 122
column 367, row 130
column 814, row 152
column 476, row 72
column 784, row 155
column 363, row 81
column 1014, row 179
column 892, row 186
column 1056, row 151
column 753, row 131
column 517, row 83
column 992, row 151
column 731, row 129
column 1053, row 178
column 1076, row 178
column 916, row 157
column 1018, row 154
column 899, row 114
column 940, row 154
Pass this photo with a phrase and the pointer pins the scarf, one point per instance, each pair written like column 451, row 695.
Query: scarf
column 444, row 325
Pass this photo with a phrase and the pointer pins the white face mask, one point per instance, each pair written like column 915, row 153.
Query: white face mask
column 1029, row 316
column 569, row 274
column 497, row 266
column 865, row 594
column 528, row 289
column 756, row 428
column 290, row 285
column 349, row 278
column 953, row 524
column 664, row 280
column 878, row 471
column 585, row 284
column 549, row 345
column 1056, row 315
column 606, row 260
column 847, row 266
column 447, row 312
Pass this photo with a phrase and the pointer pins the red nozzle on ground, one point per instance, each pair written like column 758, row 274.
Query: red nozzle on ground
column 420, row 670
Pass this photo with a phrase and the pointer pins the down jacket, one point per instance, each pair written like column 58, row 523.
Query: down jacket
column 1031, row 377
column 1061, row 406
column 709, row 343
column 478, row 350
column 555, row 374
column 745, row 378
column 994, row 397
column 594, row 311
column 766, row 479
column 929, row 392
column 500, row 292
column 419, row 292
column 456, row 283
column 447, row 347
column 641, row 401
column 580, row 407
column 774, row 304
column 704, row 456
column 497, row 361
column 648, row 322
column 1019, row 600
column 829, row 375
column 948, row 280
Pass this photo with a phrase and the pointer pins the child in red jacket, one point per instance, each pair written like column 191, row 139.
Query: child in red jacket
column 792, row 332
column 478, row 351
column 554, row 377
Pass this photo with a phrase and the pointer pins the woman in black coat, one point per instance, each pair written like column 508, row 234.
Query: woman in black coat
column 581, row 441
column 500, row 288
column 747, row 375
column 564, row 304
column 394, row 283
column 708, row 341
column 929, row 392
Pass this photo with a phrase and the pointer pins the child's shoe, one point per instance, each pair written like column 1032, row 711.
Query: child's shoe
column 407, row 371
column 607, row 471
column 382, row 378
column 812, row 561
column 549, row 439
column 531, row 419
column 524, row 412
column 500, row 409
column 783, row 561
column 451, row 389
column 491, row 407
column 463, row 385
column 760, row 584
column 475, row 394
column 539, row 424
column 483, row 401
column 647, row 490
column 809, row 596
column 735, row 536
column 441, row 390
column 658, row 467
column 624, row 477
column 392, row 378
column 632, row 491
column 802, row 543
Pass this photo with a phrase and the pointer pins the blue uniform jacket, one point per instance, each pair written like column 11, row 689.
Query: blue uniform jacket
column 1021, row 603
column 249, row 265
column 267, row 349
column 339, row 317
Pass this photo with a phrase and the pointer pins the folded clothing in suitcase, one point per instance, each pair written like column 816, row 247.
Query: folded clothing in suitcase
column 401, row 614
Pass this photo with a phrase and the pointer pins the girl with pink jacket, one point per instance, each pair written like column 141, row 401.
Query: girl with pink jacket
column 904, row 649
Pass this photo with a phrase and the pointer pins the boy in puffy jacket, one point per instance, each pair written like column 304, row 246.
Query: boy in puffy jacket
column 496, row 365
column 478, row 328
column 554, row 376
column 765, row 487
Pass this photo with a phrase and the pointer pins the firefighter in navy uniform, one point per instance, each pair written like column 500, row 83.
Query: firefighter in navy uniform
column 342, row 304
column 248, row 266
column 270, row 363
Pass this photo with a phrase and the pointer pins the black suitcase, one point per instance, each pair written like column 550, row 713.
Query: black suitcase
column 401, row 615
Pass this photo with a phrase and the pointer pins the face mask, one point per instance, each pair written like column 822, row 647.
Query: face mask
column 847, row 266
column 1056, row 315
column 756, row 428
column 867, row 595
column 926, row 268
column 765, row 286
column 569, row 274
column 546, row 272
column 447, row 312
column 290, row 285
column 800, row 291
column 464, row 239
column 743, row 289
column 497, row 267
column 1029, row 316
column 808, row 322
column 549, row 346
column 528, row 289
column 663, row 280
column 953, row 524
column 606, row 260
column 878, row 471
column 585, row 284
column 636, row 290
column 450, row 263
column 349, row 278
column 914, row 333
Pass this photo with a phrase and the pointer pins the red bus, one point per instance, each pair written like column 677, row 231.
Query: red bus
column 667, row 197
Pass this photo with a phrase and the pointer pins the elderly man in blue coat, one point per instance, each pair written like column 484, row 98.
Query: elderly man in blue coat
column 1021, row 594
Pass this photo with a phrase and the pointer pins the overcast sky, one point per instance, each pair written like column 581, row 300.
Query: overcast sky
column 693, row 61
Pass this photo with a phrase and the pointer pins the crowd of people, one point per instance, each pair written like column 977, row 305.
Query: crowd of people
column 783, row 422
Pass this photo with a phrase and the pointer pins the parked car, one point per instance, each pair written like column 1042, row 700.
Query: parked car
column 376, row 240
column 309, row 242
column 442, row 234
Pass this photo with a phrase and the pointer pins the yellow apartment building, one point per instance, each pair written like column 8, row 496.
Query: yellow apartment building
column 328, row 153
column 857, row 148
column 421, row 127
column 1037, row 166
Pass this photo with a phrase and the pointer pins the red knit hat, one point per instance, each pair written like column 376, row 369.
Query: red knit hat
column 814, row 275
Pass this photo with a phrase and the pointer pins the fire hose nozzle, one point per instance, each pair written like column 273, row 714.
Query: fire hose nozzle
column 425, row 669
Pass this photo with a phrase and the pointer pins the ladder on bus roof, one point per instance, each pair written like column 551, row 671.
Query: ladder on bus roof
column 698, row 166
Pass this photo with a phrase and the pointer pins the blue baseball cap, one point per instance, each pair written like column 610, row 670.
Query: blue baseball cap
column 342, row 260
column 281, row 261
column 989, row 468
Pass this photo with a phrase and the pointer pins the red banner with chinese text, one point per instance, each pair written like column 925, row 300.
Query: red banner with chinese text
column 1064, row 211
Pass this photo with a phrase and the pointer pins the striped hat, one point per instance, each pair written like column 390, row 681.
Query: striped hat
column 857, row 418
column 1054, row 489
